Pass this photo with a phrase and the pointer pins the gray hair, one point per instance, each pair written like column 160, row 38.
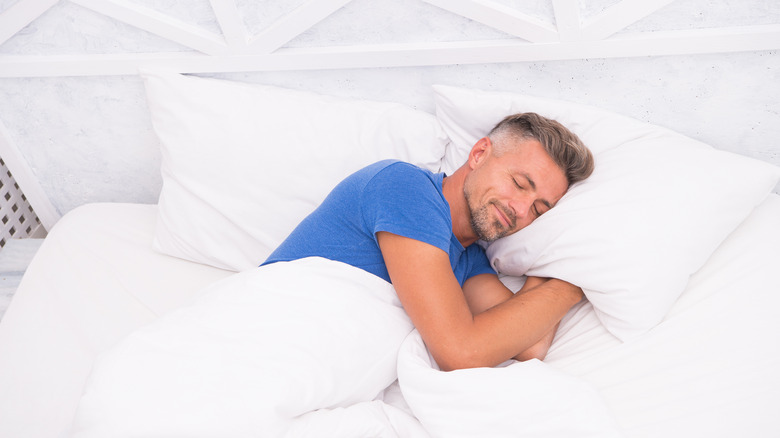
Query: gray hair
column 562, row 145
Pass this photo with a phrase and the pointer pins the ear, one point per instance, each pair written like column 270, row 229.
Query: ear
column 479, row 152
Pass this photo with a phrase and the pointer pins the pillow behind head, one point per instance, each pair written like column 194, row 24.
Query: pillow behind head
column 656, row 206
column 243, row 164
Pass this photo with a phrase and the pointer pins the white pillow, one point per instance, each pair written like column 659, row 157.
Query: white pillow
column 243, row 164
column 655, row 208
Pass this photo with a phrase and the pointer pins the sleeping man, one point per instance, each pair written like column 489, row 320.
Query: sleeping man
column 418, row 230
column 323, row 324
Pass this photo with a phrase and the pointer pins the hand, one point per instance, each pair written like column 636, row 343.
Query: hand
column 540, row 349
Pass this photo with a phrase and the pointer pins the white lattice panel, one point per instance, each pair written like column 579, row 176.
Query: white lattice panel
column 17, row 218
column 231, row 46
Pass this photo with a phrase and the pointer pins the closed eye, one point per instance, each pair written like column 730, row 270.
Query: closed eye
column 541, row 207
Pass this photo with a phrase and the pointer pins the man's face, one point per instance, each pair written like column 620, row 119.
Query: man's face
column 506, row 193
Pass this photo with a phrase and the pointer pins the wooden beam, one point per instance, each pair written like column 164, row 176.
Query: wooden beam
column 159, row 24
column 233, row 28
column 619, row 16
column 501, row 17
column 567, row 19
column 696, row 41
column 20, row 14
column 296, row 22
column 28, row 182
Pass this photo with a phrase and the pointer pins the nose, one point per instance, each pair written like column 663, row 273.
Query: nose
column 521, row 206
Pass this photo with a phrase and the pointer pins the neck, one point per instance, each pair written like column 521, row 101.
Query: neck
column 452, row 188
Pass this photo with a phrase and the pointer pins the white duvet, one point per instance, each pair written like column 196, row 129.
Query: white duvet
column 316, row 348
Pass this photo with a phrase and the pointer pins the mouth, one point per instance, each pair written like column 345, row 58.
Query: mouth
column 503, row 218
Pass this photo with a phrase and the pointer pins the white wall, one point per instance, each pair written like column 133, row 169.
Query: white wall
column 89, row 139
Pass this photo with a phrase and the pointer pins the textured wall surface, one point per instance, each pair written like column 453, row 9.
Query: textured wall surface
column 89, row 139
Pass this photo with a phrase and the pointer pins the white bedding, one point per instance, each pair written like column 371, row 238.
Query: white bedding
column 253, row 353
column 709, row 369
column 94, row 280
column 264, row 347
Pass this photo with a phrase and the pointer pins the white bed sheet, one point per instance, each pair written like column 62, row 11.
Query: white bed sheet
column 707, row 370
column 94, row 279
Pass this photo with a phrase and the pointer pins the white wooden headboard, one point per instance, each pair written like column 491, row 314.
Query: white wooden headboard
column 74, row 127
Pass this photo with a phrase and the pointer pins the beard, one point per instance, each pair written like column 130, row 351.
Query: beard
column 484, row 223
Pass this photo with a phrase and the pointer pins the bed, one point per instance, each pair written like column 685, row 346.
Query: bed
column 153, row 319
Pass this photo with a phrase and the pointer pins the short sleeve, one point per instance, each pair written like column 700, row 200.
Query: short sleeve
column 403, row 199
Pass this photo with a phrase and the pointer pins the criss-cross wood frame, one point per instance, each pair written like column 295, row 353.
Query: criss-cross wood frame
column 235, row 49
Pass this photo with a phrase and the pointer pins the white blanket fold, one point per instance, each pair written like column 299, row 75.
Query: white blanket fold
column 375, row 419
column 312, row 348
column 528, row 399
column 257, row 350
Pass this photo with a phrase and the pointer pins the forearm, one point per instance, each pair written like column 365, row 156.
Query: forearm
column 540, row 349
column 483, row 293
column 525, row 323
column 437, row 305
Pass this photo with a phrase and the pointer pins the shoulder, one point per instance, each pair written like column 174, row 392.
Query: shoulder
column 390, row 168
column 401, row 183
column 394, row 175
column 387, row 178
column 407, row 200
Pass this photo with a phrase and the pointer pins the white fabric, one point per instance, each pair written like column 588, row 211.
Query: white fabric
column 522, row 399
column 257, row 350
column 94, row 280
column 656, row 206
column 243, row 164
column 709, row 369
column 375, row 419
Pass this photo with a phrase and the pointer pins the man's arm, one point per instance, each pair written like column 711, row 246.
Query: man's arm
column 433, row 299
column 485, row 291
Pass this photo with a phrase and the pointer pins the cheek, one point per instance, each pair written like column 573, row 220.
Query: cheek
column 506, row 191
column 522, row 223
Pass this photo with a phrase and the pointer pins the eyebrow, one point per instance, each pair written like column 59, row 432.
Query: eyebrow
column 533, row 186
column 528, row 178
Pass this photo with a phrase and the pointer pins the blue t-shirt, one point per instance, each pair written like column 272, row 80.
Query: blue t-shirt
column 391, row 196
